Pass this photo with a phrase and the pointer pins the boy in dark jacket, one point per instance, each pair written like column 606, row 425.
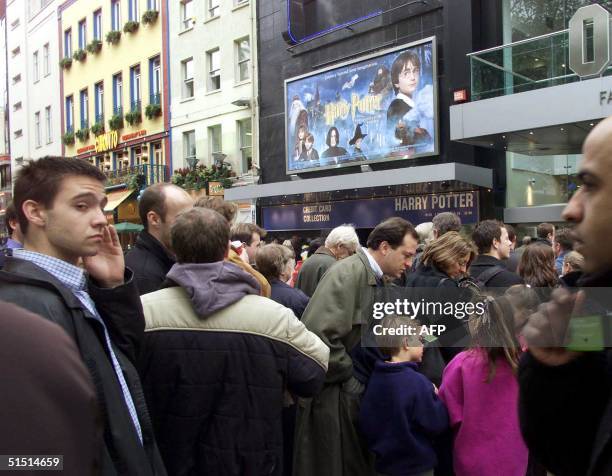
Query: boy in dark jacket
column 400, row 411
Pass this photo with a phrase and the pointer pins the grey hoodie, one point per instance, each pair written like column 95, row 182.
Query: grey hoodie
column 213, row 286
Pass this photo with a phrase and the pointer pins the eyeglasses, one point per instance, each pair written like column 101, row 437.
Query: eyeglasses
column 409, row 72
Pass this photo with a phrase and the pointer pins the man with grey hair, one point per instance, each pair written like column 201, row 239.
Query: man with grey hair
column 445, row 222
column 341, row 242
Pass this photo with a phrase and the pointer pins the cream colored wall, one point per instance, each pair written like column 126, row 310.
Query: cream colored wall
column 133, row 48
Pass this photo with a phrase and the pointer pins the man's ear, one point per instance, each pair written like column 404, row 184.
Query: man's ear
column 35, row 213
column 153, row 218
column 384, row 248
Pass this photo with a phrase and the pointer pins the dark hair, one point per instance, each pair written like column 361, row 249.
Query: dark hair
column 511, row 232
column 400, row 63
column 227, row 209
column 545, row 229
column 565, row 238
column 392, row 230
column 9, row 216
column 327, row 140
column 200, row 235
column 271, row 260
column 40, row 180
column 243, row 232
column 313, row 246
column 391, row 343
column 484, row 234
column 153, row 199
column 445, row 222
column 537, row 266
column 309, row 138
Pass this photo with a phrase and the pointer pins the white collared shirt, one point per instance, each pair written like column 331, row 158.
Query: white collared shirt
column 373, row 264
column 407, row 99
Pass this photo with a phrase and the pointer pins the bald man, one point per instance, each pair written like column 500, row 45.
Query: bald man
column 566, row 396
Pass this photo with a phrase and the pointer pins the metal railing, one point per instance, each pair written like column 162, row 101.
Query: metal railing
column 145, row 174
column 521, row 66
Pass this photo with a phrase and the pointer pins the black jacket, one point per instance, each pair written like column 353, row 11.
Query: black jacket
column 289, row 297
column 504, row 279
column 439, row 288
column 150, row 263
column 29, row 286
column 566, row 411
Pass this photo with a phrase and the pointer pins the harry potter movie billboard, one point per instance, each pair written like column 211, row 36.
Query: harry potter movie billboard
column 378, row 108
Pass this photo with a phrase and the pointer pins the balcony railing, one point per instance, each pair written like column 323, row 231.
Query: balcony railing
column 148, row 174
column 522, row 66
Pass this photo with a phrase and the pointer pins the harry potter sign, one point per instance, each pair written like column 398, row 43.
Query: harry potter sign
column 377, row 108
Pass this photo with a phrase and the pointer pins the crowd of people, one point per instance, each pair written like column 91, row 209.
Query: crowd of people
column 203, row 351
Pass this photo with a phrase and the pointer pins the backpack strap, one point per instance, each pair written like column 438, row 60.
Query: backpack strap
column 489, row 274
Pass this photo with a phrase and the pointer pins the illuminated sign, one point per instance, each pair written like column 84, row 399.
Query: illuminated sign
column 107, row 141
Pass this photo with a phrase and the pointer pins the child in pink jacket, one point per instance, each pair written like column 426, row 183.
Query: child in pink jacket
column 480, row 390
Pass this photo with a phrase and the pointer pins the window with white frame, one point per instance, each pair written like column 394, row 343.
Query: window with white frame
column 97, row 25
column 214, row 69
column 46, row 70
column 133, row 10
column 189, row 145
column 37, row 132
column 186, row 14
column 82, row 34
column 48, row 124
column 214, row 140
column 213, row 8
column 35, row 66
column 246, row 148
column 152, row 5
column 115, row 15
column 243, row 59
column 69, row 114
column 187, row 68
column 68, row 43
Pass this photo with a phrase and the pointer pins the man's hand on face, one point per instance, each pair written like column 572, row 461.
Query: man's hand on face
column 108, row 266
column 546, row 330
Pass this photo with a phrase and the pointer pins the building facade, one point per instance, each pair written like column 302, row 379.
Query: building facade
column 551, row 97
column 316, row 69
column 33, row 72
column 113, row 86
column 213, row 83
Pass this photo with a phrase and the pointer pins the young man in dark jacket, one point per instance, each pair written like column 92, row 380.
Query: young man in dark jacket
column 71, row 271
column 218, row 358
column 151, row 258
column 565, row 395
column 491, row 238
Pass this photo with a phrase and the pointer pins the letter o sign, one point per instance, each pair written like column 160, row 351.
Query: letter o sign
column 579, row 62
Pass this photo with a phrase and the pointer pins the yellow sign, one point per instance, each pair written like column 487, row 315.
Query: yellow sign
column 107, row 141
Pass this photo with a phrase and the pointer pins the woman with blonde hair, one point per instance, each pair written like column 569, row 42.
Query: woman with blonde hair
column 444, row 260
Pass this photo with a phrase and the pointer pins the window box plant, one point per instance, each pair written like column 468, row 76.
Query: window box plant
column 97, row 128
column 153, row 110
column 65, row 63
column 82, row 134
column 149, row 17
column 133, row 117
column 94, row 47
column 116, row 122
column 80, row 55
column 113, row 37
column 68, row 138
column 131, row 27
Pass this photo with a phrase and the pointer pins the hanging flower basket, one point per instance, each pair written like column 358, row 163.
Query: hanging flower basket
column 97, row 128
column 68, row 138
column 113, row 37
column 131, row 26
column 94, row 47
column 149, row 17
column 153, row 110
column 133, row 117
column 82, row 134
column 80, row 55
column 65, row 63
column 116, row 122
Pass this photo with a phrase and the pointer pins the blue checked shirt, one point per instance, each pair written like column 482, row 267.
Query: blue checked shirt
column 74, row 279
